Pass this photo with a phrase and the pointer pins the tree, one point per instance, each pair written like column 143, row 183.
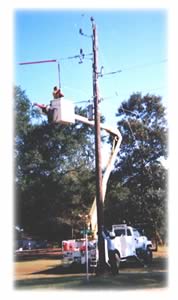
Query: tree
column 142, row 188
column 22, row 113
column 54, row 172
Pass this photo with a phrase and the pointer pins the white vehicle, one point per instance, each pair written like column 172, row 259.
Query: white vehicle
column 78, row 252
column 130, row 243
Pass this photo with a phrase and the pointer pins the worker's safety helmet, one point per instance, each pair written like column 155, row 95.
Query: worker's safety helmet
column 112, row 235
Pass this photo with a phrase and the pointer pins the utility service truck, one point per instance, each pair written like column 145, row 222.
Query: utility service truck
column 130, row 243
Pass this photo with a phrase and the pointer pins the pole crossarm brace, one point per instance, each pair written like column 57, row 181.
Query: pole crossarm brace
column 114, row 151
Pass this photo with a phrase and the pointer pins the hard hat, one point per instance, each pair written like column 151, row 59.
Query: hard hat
column 112, row 234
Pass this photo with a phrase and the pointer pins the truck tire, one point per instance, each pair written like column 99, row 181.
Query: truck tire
column 148, row 256
column 115, row 263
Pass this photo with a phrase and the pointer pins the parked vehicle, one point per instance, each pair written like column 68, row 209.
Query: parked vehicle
column 76, row 252
column 130, row 243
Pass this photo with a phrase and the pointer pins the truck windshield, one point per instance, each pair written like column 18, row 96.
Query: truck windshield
column 121, row 231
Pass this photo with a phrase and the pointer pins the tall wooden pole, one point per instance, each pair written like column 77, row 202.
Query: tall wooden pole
column 98, row 162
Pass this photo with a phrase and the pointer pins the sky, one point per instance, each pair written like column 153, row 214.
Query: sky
column 133, row 41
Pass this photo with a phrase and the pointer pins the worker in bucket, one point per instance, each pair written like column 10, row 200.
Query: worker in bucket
column 57, row 93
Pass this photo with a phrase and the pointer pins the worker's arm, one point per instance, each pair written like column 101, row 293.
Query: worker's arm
column 60, row 94
column 39, row 105
column 43, row 107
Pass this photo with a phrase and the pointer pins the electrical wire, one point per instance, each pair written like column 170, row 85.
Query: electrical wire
column 84, row 101
column 124, row 95
column 135, row 67
column 114, row 96
column 145, row 65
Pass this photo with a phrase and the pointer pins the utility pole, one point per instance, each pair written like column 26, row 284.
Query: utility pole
column 99, row 194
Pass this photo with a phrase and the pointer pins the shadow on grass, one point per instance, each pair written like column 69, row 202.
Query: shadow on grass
column 124, row 281
column 154, row 276
column 36, row 257
column 158, row 263
column 52, row 282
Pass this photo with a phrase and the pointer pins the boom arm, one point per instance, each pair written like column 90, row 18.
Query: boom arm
column 114, row 151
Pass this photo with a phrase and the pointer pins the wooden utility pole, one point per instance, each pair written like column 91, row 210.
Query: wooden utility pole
column 99, row 194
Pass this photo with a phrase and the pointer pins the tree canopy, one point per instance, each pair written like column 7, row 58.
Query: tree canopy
column 138, row 188
column 55, row 172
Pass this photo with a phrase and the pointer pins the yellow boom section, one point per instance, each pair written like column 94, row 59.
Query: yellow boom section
column 114, row 151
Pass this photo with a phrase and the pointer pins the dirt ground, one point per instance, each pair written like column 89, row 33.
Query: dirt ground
column 46, row 271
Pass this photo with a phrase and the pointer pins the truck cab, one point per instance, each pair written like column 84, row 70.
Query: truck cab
column 131, row 243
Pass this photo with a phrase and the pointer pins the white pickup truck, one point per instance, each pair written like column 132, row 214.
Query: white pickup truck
column 131, row 243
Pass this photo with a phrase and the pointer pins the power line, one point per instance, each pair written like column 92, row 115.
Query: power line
column 84, row 101
column 135, row 67
column 114, row 95
column 146, row 65
column 118, row 94
column 101, row 74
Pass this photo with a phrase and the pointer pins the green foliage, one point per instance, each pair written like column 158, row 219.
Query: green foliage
column 54, row 173
column 138, row 187
column 22, row 112
column 55, row 179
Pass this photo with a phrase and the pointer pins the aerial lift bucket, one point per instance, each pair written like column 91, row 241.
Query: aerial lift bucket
column 63, row 111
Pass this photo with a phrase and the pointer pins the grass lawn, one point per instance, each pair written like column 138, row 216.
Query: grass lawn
column 49, row 274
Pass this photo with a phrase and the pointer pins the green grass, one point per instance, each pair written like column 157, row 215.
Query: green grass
column 49, row 274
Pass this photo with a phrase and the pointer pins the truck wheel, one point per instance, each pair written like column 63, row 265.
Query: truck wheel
column 115, row 263
column 148, row 256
